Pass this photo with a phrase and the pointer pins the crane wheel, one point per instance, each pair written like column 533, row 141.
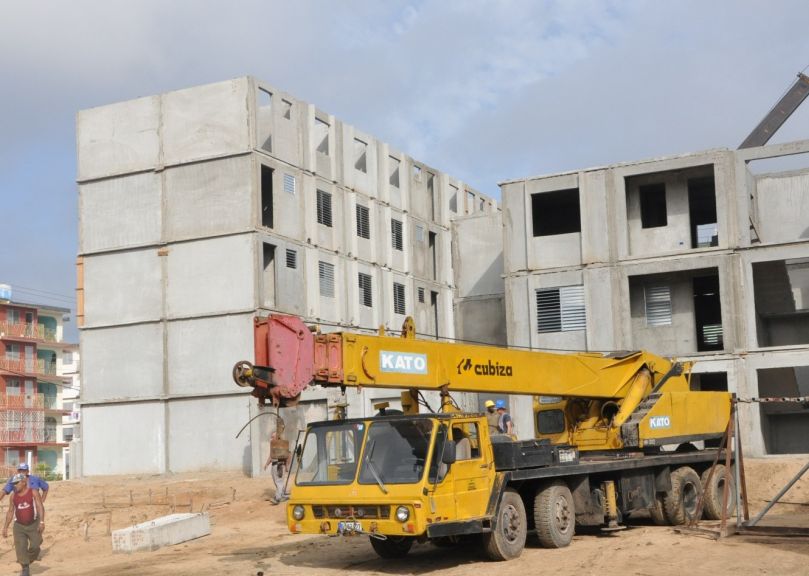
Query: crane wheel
column 712, row 510
column 680, row 503
column 393, row 547
column 554, row 515
column 507, row 538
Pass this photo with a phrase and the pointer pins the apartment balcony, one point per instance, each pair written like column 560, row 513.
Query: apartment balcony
column 32, row 436
column 28, row 367
column 22, row 402
column 46, row 367
column 24, row 331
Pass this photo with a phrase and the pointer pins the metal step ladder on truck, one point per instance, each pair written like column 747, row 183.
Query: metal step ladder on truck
column 596, row 457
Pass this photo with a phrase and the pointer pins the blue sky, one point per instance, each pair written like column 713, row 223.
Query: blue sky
column 486, row 91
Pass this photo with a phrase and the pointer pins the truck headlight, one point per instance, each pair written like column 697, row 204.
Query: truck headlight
column 297, row 512
column 402, row 513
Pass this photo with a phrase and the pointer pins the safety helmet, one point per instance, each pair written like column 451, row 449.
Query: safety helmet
column 488, row 403
column 500, row 404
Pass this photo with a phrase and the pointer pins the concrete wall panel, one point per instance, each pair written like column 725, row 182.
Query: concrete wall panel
column 122, row 363
column 202, row 434
column 209, row 198
column 120, row 213
column 514, row 227
column 193, row 372
column 119, row 138
column 782, row 203
column 211, row 276
column 477, row 243
column 122, row 288
column 205, row 122
column 123, row 439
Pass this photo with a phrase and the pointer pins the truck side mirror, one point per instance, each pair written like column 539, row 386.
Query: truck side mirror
column 448, row 453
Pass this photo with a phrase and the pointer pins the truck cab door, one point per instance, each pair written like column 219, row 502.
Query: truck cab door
column 473, row 470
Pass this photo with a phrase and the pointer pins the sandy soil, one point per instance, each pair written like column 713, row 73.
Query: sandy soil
column 249, row 536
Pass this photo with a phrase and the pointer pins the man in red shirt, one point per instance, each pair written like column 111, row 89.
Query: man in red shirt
column 28, row 513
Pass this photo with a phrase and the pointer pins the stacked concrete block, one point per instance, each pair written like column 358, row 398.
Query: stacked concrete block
column 663, row 255
column 203, row 208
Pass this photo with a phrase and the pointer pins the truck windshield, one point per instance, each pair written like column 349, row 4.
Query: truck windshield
column 330, row 455
column 395, row 452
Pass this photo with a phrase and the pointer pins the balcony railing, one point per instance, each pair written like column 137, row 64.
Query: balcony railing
column 46, row 367
column 23, row 436
column 51, row 434
column 29, row 331
column 22, row 401
column 17, row 365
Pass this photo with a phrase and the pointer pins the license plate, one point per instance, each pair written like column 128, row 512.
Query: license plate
column 349, row 527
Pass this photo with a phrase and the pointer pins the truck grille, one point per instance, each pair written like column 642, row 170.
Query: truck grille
column 351, row 511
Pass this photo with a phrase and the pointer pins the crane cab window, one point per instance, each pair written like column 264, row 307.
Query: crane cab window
column 330, row 455
column 467, row 441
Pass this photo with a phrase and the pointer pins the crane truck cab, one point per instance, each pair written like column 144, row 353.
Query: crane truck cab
column 406, row 478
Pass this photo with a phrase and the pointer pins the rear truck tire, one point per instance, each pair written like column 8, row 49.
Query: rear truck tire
column 507, row 538
column 657, row 513
column 712, row 508
column 680, row 503
column 554, row 515
column 393, row 547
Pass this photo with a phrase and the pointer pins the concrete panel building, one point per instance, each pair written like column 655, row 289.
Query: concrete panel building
column 703, row 256
column 204, row 207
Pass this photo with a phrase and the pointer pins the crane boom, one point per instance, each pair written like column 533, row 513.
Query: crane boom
column 296, row 357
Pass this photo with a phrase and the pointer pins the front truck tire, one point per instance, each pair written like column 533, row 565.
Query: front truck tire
column 712, row 509
column 507, row 538
column 393, row 547
column 554, row 515
column 680, row 503
column 657, row 513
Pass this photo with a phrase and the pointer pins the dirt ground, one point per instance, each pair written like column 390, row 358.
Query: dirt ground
column 249, row 536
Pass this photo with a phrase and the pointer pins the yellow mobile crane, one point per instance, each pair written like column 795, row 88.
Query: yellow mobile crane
column 442, row 477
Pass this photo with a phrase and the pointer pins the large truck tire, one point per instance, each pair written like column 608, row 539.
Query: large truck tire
column 657, row 513
column 507, row 538
column 712, row 507
column 680, row 503
column 393, row 547
column 554, row 515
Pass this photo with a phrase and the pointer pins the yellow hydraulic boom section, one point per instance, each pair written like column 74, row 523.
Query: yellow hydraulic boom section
column 633, row 399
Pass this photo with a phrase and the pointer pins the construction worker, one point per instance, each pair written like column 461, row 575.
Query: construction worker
column 34, row 482
column 492, row 417
column 504, row 423
column 28, row 514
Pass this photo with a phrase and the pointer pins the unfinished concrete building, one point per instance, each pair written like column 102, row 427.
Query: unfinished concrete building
column 204, row 207
column 703, row 256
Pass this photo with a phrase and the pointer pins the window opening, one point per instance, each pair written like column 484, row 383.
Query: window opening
column 396, row 234
column 326, row 277
column 394, row 171
column 453, row 199
column 702, row 212
column 360, row 155
column 431, row 241
column 555, row 212
column 366, row 291
column 324, row 208
column 421, row 294
column 560, row 309
column 292, row 259
column 322, row 136
column 708, row 313
column 658, row 305
column 289, row 184
column 266, row 197
column 268, row 256
column 363, row 222
column 286, row 109
column 653, row 205
column 398, row 298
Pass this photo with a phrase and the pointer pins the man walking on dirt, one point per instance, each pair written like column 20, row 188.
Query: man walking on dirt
column 28, row 514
